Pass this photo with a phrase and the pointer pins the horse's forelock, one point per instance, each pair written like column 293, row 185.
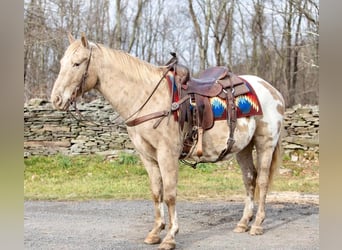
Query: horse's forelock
column 73, row 47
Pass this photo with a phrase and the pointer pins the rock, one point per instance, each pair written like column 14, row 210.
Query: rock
column 294, row 147
column 35, row 102
column 48, row 131
column 285, row 171
column 76, row 148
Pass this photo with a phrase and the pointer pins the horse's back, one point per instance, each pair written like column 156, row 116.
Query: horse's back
column 262, row 88
column 271, row 102
column 269, row 97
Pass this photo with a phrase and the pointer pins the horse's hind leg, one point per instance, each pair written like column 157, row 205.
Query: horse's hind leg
column 268, row 157
column 245, row 160
column 156, row 185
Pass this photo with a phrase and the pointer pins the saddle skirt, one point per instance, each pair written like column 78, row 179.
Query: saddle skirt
column 245, row 98
column 247, row 104
column 216, row 95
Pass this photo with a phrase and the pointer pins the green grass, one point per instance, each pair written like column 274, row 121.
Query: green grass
column 92, row 177
column 81, row 178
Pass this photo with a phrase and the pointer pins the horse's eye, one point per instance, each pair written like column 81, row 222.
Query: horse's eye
column 76, row 64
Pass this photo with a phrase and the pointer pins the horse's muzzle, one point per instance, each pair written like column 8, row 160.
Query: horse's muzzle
column 57, row 101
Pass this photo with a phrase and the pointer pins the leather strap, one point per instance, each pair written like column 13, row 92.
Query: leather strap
column 144, row 118
column 175, row 105
column 154, row 115
column 148, row 117
column 81, row 86
column 231, row 119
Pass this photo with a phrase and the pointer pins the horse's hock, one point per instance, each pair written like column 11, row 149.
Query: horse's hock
column 48, row 132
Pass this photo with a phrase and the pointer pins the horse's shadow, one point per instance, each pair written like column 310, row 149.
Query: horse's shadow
column 213, row 221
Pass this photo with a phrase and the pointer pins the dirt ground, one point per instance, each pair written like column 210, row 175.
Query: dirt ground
column 289, row 224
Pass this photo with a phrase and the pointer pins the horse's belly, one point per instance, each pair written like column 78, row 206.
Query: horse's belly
column 215, row 139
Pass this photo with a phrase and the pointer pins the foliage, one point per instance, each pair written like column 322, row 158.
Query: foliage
column 277, row 40
column 93, row 177
column 84, row 178
column 127, row 159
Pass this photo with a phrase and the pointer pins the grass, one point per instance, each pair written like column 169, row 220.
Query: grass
column 92, row 177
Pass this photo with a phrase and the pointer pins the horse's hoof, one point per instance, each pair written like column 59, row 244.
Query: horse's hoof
column 168, row 245
column 256, row 230
column 240, row 228
column 152, row 239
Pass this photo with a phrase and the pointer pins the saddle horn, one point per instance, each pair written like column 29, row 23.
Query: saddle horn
column 173, row 60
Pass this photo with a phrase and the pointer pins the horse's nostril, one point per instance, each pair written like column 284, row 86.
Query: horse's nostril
column 57, row 101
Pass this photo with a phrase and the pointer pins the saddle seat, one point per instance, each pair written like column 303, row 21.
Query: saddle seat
column 209, row 76
column 212, row 81
column 206, row 84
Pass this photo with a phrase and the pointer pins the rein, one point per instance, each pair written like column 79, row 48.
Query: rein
column 82, row 118
column 136, row 121
column 159, row 114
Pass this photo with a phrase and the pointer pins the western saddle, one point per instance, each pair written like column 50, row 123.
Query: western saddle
column 194, row 105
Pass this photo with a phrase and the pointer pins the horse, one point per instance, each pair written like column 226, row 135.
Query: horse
column 129, row 85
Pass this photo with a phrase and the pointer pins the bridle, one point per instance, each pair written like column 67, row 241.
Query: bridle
column 81, row 85
column 134, row 122
column 81, row 88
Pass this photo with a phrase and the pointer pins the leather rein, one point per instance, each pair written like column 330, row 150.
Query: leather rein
column 159, row 114
column 134, row 122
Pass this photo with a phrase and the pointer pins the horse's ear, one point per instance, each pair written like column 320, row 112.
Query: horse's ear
column 84, row 40
column 71, row 38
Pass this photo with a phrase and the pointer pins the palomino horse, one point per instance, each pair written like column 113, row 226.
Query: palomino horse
column 127, row 82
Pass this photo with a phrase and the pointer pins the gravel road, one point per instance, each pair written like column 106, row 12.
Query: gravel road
column 203, row 225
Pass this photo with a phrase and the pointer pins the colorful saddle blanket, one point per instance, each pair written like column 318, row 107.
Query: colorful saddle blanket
column 247, row 104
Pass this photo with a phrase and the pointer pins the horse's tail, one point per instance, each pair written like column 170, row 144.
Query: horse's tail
column 275, row 163
column 276, row 160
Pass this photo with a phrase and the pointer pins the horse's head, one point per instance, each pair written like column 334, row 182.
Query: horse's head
column 77, row 73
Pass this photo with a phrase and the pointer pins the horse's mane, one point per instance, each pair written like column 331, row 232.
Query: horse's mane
column 131, row 66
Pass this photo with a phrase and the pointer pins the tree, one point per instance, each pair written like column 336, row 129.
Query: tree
column 202, row 37
column 276, row 40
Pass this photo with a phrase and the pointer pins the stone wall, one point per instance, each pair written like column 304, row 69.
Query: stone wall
column 301, row 128
column 47, row 131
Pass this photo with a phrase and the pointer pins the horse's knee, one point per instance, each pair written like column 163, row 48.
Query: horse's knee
column 169, row 199
column 170, row 193
column 157, row 197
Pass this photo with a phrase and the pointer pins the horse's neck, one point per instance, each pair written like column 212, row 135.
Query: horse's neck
column 127, row 82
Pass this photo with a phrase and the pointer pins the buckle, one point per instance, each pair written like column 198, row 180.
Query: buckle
column 174, row 106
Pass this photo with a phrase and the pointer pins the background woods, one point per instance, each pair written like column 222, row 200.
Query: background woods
column 277, row 40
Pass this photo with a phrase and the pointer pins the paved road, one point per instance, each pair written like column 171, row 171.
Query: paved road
column 203, row 225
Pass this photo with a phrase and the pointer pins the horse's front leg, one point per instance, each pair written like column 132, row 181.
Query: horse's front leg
column 169, row 171
column 156, row 184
